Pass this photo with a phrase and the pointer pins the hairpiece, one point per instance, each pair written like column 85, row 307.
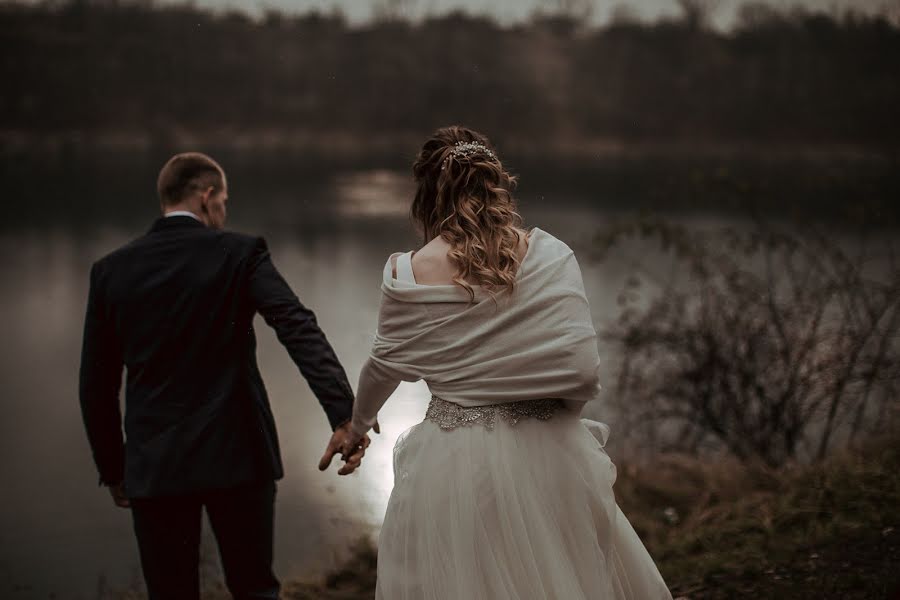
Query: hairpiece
column 467, row 149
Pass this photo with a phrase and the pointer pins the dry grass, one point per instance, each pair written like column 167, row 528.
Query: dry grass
column 727, row 530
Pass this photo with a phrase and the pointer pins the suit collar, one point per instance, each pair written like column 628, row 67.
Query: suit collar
column 176, row 222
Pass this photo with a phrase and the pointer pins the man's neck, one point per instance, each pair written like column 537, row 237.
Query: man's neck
column 181, row 212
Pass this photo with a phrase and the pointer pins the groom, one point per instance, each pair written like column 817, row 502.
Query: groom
column 175, row 308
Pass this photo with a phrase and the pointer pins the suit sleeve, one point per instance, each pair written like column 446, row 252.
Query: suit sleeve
column 99, row 382
column 297, row 329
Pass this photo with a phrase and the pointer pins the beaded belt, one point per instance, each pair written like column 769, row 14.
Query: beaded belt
column 449, row 415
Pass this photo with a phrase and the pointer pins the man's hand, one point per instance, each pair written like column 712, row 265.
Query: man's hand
column 351, row 447
column 117, row 491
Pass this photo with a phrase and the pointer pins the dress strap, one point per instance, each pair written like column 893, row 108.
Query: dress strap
column 404, row 267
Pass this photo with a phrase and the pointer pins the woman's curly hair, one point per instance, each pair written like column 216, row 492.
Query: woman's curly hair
column 466, row 198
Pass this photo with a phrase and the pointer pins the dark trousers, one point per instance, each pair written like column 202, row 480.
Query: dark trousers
column 168, row 535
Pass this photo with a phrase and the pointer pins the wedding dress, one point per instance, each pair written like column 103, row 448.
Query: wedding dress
column 503, row 492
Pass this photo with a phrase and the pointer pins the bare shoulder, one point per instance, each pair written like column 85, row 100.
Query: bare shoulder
column 431, row 264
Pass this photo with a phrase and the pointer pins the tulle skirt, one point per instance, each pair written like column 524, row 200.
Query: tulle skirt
column 514, row 512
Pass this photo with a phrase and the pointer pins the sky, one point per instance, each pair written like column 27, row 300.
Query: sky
column 511, row 11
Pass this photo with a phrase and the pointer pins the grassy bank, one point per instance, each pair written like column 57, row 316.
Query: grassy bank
column 725, row 530
column 732, row 531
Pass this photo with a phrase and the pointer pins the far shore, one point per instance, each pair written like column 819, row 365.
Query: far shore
column 399, row 147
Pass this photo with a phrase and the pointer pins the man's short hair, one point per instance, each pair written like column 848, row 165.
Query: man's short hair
column 186, row 172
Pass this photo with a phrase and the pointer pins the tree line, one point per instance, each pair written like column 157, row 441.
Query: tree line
column 778, row 76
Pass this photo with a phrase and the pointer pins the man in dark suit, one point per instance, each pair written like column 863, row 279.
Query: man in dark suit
column 175, row 308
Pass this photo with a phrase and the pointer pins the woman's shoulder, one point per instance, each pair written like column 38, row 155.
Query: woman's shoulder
column 430, row 263
column 550, row 242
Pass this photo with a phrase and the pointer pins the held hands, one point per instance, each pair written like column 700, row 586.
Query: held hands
column 352, row 448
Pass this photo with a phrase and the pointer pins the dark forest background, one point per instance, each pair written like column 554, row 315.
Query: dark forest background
column 115, row 68
column 789, row 110
column 778, row 77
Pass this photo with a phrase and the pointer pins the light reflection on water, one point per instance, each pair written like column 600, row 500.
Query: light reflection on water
column 374, row 193
column 61, row 533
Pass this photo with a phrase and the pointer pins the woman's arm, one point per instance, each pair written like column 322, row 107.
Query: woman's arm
column 376, row 384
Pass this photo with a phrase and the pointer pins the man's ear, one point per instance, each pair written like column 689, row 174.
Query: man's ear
column 205, row 195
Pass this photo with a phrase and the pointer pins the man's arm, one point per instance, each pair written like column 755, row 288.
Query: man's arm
column 297, row 329
column 99, row 383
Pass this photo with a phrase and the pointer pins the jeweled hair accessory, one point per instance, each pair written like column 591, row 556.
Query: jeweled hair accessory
column 467, row 149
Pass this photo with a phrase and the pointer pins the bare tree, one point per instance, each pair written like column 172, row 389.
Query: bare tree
column 773, row 342
column 393, row 10
column 578, row 11
column 624, row 14
column 697, row 13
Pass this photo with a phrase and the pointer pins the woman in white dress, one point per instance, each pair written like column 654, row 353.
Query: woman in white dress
column 503, row 492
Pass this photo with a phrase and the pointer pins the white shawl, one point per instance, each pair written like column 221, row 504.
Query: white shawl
column 537, row 342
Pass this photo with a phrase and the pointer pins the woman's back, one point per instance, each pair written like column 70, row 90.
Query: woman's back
column 536, row 341
column 431, row 264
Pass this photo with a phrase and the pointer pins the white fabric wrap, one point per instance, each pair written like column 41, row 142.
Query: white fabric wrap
column 537, row 342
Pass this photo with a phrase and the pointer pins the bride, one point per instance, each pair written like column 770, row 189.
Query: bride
column 502, row 492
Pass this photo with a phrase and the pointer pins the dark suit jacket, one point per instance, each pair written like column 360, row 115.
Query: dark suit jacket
column 175, row 308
